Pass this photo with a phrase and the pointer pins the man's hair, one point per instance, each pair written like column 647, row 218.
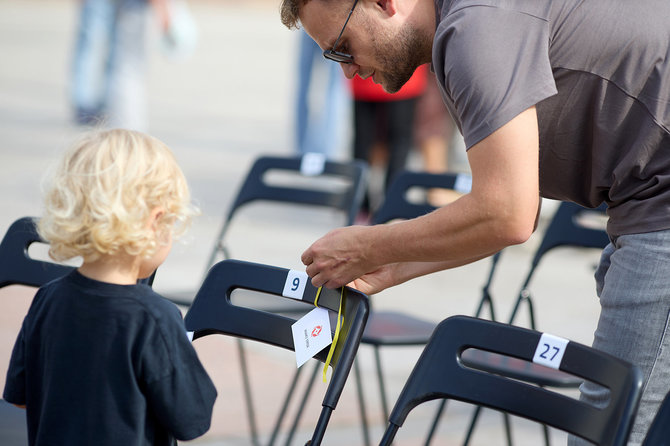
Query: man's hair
column 290, row 11
column 102, row 193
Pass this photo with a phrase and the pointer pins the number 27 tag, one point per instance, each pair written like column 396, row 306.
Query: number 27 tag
column 550, row 350
column 294, row 287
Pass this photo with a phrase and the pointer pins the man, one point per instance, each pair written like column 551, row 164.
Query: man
column 566, row 99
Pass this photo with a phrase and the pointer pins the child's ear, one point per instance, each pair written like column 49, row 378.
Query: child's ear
column 155, row 215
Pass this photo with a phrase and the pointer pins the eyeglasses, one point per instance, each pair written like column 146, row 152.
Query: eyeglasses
column 337, row 56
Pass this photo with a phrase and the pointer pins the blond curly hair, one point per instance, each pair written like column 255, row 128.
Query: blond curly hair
column 99, row 199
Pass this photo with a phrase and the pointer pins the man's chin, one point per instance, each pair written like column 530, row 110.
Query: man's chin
column 391, row 90
column 381, row 81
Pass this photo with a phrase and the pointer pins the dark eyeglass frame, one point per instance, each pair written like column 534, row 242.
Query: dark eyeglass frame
column 338, row 56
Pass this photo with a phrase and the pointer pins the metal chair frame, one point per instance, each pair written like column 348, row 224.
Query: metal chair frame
column 564, row 230
column 213, row 312
column 442, row 372
column 255, row 188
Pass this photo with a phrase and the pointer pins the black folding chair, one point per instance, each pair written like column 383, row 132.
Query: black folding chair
column 659, row 431
column 571, row 226
column 442, row 371
column 308, row 181
column 16, row 265
column 213, row 312
column 302, row 186
column 18, row 268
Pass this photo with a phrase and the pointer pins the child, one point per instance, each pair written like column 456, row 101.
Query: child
column 101, row 359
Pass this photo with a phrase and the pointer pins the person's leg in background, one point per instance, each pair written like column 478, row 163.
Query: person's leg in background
column 365, row 118
column 400, row 135
column 89, row 65
column 321, row 101
column 633, row 283
column 126, row 94
column 304, row 81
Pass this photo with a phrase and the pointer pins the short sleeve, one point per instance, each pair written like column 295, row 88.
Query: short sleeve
column 493, row 64
column 15, row 384
column 182, row 397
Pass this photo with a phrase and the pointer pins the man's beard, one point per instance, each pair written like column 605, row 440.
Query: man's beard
column 400, row 55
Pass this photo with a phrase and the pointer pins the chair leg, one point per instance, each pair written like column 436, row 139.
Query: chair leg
column 473, row 421
column 321, row 424
column 284, row 409
column 251, row 414
column 547, row 440
column 436, row 420
column 298, row 414
column 361, row 404
column 382, row 386
column 508, row 428
column 389, row 435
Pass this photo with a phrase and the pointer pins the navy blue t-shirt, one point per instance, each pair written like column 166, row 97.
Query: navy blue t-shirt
column 103, row 364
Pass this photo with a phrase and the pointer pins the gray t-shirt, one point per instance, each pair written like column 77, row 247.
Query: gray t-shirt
column 598, row 72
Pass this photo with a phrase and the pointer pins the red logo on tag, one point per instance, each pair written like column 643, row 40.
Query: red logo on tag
column 316, row 331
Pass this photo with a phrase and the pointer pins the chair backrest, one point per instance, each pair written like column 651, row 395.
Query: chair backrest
column 659, row 432
column 567, row 229
column 440, row 373
column 213, row 312
column 16, row 265
column 396, row 204
column 347, row 197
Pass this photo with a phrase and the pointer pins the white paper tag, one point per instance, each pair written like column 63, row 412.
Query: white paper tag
column 550, row 350
column 294, row 287
column 312, row 164
column 311, row 334
column 463, row 183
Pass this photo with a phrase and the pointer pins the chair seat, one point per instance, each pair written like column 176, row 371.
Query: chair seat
column 395, row 328
column 13, row 430
column 519, row 369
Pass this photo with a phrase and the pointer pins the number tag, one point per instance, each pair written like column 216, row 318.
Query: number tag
column 550, row 350
column 294, row 287
column 463, row 183
column 312, row 164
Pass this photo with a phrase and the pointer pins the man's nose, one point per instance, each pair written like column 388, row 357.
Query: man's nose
column 349, row 69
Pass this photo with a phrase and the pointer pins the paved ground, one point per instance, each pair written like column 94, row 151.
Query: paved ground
column 220, row 109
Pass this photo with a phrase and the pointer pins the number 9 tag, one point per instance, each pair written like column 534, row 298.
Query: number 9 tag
column 550, row 350
column 294, row 287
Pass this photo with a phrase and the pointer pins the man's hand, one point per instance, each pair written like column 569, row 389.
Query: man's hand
column 375, row 281
column 339, row 257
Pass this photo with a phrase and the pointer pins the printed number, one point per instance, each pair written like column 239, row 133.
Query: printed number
column 550, row 350
column 295, row 283
column 547, row 349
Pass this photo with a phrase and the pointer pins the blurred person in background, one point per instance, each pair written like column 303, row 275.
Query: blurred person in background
column 110, row 61
column 384, row 126
column 322, row 101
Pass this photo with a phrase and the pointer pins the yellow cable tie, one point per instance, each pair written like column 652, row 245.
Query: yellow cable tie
column 340, row 322
column 316, row 299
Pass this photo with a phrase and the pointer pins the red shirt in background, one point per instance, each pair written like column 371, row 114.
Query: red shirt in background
column 367, row 90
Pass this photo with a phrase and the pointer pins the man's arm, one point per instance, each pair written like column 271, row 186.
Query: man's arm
column 500, row 210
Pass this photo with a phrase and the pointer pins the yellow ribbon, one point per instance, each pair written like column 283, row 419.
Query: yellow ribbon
column 340, row 322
